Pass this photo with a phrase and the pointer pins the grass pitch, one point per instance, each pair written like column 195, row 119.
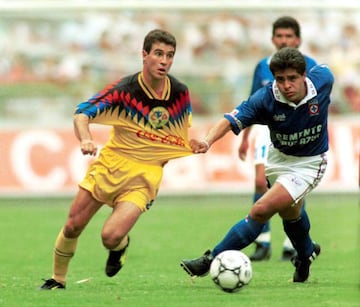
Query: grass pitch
column 175, row 228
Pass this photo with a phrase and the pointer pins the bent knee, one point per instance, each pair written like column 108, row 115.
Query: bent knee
column 260, row 212
column 111, row 240
column 72, row 230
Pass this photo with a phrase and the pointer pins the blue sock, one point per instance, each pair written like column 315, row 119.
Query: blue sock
column 298, row 232
column 266, row 227
column 239, row 236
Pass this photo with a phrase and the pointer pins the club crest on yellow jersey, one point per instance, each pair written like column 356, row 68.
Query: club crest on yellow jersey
column 158, row 117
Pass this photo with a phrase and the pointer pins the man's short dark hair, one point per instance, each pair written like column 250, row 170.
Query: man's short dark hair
column 286, row 22
column 158, row 35
column 288, row 58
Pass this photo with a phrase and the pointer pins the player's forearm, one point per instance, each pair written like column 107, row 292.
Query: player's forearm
column 82, row 132
column 81, row 127
column 218, row 131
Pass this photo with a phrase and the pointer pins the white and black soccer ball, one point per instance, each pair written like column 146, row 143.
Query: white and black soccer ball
column 231, row 270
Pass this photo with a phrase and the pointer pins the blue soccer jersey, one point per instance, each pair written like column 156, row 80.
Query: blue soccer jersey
column 295, row 129
column 263, row 75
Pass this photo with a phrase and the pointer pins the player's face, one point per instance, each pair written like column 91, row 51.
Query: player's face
column 291, row 84
column 285, row 37
column 158, row 61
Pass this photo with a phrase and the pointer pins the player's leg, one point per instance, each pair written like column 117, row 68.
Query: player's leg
column 115, row 235
column 291, row 179
column 82, row 210
column 134, row 186
column 243, row 233
column 298, row 232
column 288, row 250
column 246, row 231
column 262, row 142
column 263, row 241
column 299, row 176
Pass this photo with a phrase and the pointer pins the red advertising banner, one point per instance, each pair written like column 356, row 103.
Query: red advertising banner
column 49, row 161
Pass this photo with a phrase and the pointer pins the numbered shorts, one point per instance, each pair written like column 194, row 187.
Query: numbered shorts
column 299, row 175
column 113, row 178
column 261, row 134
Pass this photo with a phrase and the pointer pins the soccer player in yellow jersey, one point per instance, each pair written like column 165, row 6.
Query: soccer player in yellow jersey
column 150, row 113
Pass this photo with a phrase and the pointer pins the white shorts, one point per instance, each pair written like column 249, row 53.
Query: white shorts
column 261, row 134
column 299, row 175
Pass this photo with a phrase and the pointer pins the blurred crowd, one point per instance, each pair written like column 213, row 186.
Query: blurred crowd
column 67, row 56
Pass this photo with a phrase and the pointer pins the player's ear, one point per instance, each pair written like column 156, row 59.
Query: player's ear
column 144, row 54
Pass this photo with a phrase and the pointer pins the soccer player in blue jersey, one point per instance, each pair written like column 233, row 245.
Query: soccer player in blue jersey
column 286, row 32
column 295, row 107
column 150, row 114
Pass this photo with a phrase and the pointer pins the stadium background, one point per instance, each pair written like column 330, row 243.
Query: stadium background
column 57, row 53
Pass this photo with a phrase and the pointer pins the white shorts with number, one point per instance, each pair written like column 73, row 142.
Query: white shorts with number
column 299, row 175
column 261, row 134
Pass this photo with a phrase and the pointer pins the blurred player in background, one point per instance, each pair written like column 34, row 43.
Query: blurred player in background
column 150, row 112
column 285, row 33
column 295, row 107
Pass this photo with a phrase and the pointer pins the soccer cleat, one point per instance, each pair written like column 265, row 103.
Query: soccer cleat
column 261, row 253
column 52, row 284
column 302, row 267
column 116, row 260
column 288, row 254
column 199, row 266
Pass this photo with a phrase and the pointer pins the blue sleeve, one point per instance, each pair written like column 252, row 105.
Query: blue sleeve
column 310, row 63
column 262, row 75
column 252, row 111
column 322, row 77
column 256, row 82
column 100, row 102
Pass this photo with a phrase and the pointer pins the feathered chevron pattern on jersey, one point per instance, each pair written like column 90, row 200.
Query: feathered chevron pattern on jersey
column 116, row 102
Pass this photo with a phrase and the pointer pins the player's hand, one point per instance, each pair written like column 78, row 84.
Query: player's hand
column 242, row 151
column 88, row 147
column 199, row 146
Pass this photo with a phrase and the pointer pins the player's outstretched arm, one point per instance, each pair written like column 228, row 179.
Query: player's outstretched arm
column 215, row 133
column 82, row 132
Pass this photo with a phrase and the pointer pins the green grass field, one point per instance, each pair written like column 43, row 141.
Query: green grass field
column 175, row 228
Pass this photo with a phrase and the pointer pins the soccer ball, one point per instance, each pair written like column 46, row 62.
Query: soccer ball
column 231, row 270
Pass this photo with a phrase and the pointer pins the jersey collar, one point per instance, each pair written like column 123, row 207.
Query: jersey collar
column 150, row 92
column 311, row 93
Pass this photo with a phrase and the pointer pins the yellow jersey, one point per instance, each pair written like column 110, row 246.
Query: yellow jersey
column 145, row 129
